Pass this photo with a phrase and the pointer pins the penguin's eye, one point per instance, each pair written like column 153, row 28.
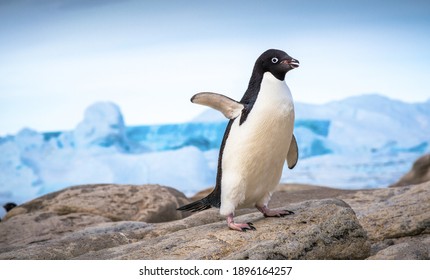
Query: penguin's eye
column 275, row 60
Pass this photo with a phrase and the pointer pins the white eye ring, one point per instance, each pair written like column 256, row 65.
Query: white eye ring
column 275, row 60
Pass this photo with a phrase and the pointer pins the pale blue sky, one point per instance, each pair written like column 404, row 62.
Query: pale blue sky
column 57, row 57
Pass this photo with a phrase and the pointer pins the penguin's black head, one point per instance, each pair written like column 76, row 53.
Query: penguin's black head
column 276, row 62
column 9, row 206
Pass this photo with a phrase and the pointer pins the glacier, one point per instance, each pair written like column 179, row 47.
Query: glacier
column 364, row 141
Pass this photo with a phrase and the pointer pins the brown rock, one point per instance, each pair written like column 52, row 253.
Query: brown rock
column 320, row 229
column 78, row 207
column 292, row 193
column 413, row 249
column 92, row 238
column 397, row 222
column 419, row 173
column 392, row 212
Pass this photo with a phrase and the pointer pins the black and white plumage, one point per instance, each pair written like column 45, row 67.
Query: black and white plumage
column 257, row 141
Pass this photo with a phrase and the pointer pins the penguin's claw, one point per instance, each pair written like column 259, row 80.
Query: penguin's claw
column 241, row 227
column 251, row 226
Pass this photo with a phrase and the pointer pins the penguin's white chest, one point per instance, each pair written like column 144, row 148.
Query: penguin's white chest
column 255, row 152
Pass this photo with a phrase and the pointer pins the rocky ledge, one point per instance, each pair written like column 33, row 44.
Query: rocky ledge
column 140, row 222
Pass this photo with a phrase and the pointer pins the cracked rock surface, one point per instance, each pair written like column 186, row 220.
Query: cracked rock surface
column 140, row 222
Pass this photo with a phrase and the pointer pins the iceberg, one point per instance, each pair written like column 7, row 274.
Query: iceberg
column 103, row 150
column 17, row 179
column 361, row 142
column 370, row 122
column 103, row 126
column 204, row 136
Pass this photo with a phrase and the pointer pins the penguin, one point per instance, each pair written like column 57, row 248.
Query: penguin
column 257, row 141
column 9, row 206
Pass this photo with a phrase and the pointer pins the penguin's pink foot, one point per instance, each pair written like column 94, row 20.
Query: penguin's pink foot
column 238, row 227
column 274, row 213
column 241, row 227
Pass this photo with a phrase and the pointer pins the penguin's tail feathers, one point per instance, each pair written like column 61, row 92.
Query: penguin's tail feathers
column 199, row 205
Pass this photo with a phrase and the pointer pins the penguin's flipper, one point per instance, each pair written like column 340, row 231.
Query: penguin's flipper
column 230, row 108
column 293, row 153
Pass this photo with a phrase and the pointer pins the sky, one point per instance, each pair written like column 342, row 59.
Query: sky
column 57, row 57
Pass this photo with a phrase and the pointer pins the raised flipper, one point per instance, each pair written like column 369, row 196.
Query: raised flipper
column 230, row 108
column 293, row 153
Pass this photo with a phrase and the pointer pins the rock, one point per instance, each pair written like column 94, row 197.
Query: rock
column 419, row 173
column 392, row 212
column 123, row 222
column 320, row 229
column 78, row 207
column 390, row 216
column 105, row 235
column 408, row 250
column 291, row 193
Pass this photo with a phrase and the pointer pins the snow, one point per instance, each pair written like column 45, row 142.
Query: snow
column 103, row 125
column 361, row 142
column 371, row 121
column 358, row 171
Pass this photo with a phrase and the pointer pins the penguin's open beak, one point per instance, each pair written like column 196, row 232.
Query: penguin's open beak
column 293, row 63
